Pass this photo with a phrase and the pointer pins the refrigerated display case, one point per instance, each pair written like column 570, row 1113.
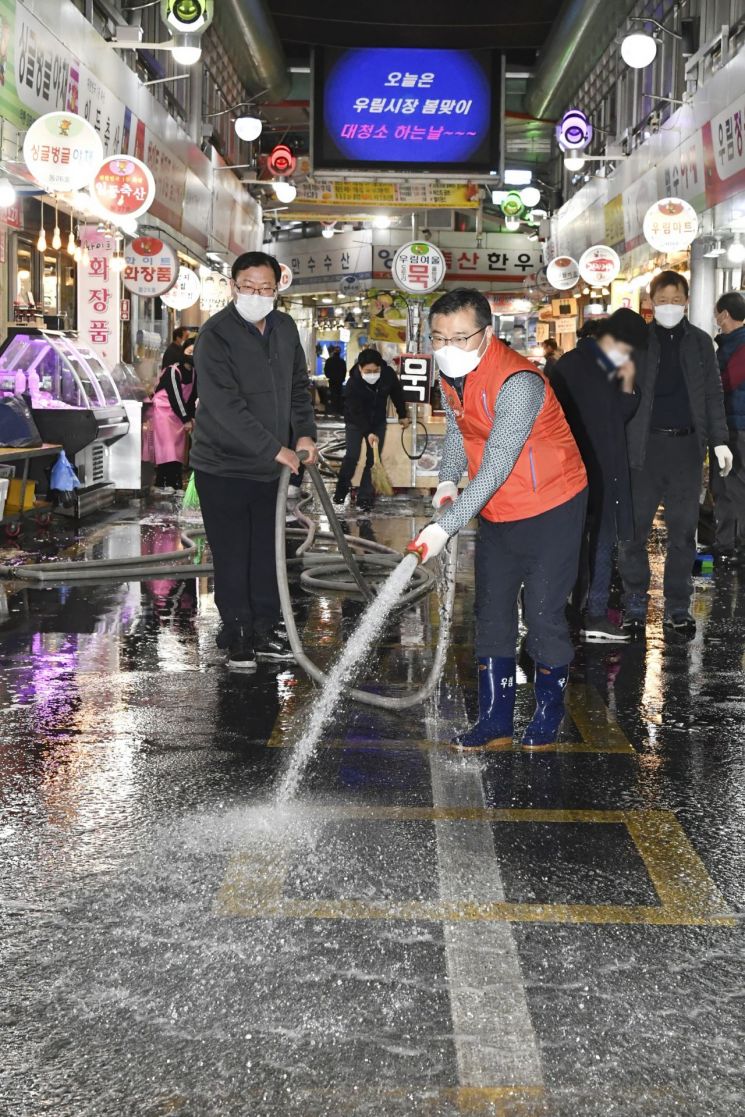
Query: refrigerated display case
column 74, row 401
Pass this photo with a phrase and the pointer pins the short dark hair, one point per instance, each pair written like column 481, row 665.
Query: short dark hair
column 668, row 279
column 459, row 299
column 179, row 332
column 369, row 357
column 733, row 303
column 256, row 260
column 551, row 342
column 625, row 325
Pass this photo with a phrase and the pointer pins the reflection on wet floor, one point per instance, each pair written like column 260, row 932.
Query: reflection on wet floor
column 547, row 935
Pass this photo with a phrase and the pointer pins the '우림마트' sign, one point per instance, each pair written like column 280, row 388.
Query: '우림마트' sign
column 98, row 296
column 418, row 267
column 124, row 186
column 62, row 152
column 151, row 267
column 670, row 225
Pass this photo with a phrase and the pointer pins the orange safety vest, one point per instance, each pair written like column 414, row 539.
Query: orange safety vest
column 549, row 470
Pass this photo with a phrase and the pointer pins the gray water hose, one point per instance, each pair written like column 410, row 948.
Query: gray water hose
column 366, row 697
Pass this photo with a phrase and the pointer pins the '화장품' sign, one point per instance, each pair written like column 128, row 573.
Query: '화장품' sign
column 98, row 296
column 401, row 107
column 151, row 267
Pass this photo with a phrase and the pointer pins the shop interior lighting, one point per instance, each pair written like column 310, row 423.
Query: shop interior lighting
column 531, row 196
column 284, row 191
column 71, row 240
column 574, row 163
column 326, row 299
column 248, row 128
column 186, row 49
column 736, row 251
column 638, row 50
column 7, row 192
column 512, row 224
column 118, row 262
column 56, row 235
column 41, row 243
column 328, row 231
column 515, row 177
column 381, row 221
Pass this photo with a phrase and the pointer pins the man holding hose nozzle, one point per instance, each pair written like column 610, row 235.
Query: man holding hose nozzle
column 528, row 485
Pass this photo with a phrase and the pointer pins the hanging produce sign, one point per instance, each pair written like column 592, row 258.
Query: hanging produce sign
column 124, row 186
column 62, row 152
column 599, row 265
column 670, row 225
column 150, row 267
column 285, row 279
column 185, row 291
column 563, row 273
column 418, row 267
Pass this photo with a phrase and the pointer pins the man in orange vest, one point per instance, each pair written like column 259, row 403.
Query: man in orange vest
column 528, row 485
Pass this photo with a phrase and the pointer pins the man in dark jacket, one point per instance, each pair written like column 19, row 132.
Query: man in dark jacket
column 681, row 414
column 253, row 391
column 371, row 384
column 335, row 371
column 729, row 492
column 595, row 386
column 175, row 351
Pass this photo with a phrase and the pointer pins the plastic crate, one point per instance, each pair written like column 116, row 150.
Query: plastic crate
column 13, row 502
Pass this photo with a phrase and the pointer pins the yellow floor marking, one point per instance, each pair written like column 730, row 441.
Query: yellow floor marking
column 598, row 728
column 252, row 888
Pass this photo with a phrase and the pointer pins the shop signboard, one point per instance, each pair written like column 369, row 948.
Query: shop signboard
column 418, row 267
column 125, row 310
column 405, row 194
column 184, row 292
column 322, row 264
column 599, row 265
column 725, row 152
column 510, row 262
column 124, row 186
column 215, row 292
column 285, row 278
column 62, row 152
column 670, row 225
column 388, row 312
column 151, row 266
column 563, row 273
column 99, row 296
column 416, row 377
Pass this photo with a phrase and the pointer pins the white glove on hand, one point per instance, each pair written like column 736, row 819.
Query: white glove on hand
column 725, row 460
column 430, row 541
column 446, row 493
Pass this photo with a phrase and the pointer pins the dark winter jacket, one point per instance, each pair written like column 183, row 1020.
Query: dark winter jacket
column 366, row 405
column 252, row 389
column 335, row 370
column 731, row 358
column 173, row 355
column 171, row 382
column 699, row 367
column 597, row 411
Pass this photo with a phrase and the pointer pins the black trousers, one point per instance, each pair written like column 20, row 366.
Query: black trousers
column 541, row 554
column 671, row 476
column 169, row 473
column 239, row 522
column 355, row 437
column 729, row 497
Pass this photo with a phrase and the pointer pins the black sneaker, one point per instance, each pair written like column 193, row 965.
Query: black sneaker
column 241, row 655
column 273, row 645
column 600, row 628
column 635, row 628
column 681, row 623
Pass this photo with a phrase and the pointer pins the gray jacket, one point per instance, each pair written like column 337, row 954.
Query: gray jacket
column 701, row 372
column 254, row 396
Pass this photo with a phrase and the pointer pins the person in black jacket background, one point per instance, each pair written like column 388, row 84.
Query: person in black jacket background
column 335, row 371
column 370, row 385
column 175, row 351
column 595, row 386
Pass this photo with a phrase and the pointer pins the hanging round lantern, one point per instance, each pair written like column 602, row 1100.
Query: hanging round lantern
column 574, row 131
column 281, row 160
column 512, row 205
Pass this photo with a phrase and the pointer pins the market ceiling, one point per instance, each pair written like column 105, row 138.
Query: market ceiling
column 517, row 29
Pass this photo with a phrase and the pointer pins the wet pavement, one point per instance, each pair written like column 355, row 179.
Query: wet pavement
column 558, row 935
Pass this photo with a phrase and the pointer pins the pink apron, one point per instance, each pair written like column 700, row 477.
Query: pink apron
column 168, row 430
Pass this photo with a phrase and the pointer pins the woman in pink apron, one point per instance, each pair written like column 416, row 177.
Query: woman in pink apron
column 174, row 401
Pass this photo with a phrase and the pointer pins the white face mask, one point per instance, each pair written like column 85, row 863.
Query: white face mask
column 669, row 315
column 457, row 363
column 254, row 308
column 616, row 357
column 370, row 377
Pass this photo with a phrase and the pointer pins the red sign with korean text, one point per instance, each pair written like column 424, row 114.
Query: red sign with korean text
column 124, row 186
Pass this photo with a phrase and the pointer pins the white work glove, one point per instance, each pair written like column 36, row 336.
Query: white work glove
column 429, row 542
column 446, row 493
column 725, row 460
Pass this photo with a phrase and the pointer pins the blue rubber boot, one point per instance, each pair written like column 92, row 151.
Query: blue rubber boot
column 550, row 687
column 493, row 730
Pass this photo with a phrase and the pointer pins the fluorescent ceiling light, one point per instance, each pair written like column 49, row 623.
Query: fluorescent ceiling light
column 382, row 221
column 514, row 177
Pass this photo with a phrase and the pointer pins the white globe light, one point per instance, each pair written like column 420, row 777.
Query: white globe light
column 7, row 193
column 531, row 196
column 248, row 128
column 638, row 50
column 284, row 191
column 382, row 221
column 572, row 164
column 327, row 233
column 736, row 252
column 187, row 49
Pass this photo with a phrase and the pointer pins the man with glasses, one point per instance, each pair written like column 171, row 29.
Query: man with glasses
column 254, row 399
column 528, row 486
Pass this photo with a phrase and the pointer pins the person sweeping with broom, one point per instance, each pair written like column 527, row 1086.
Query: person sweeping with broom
column 370, row 385
column 528, row 486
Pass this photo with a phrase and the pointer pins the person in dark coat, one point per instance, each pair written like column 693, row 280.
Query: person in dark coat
column 370, row 385
column 175, row 351
column 335, row 371
column 551, row 354
column 595, row 386
column 729, row 492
